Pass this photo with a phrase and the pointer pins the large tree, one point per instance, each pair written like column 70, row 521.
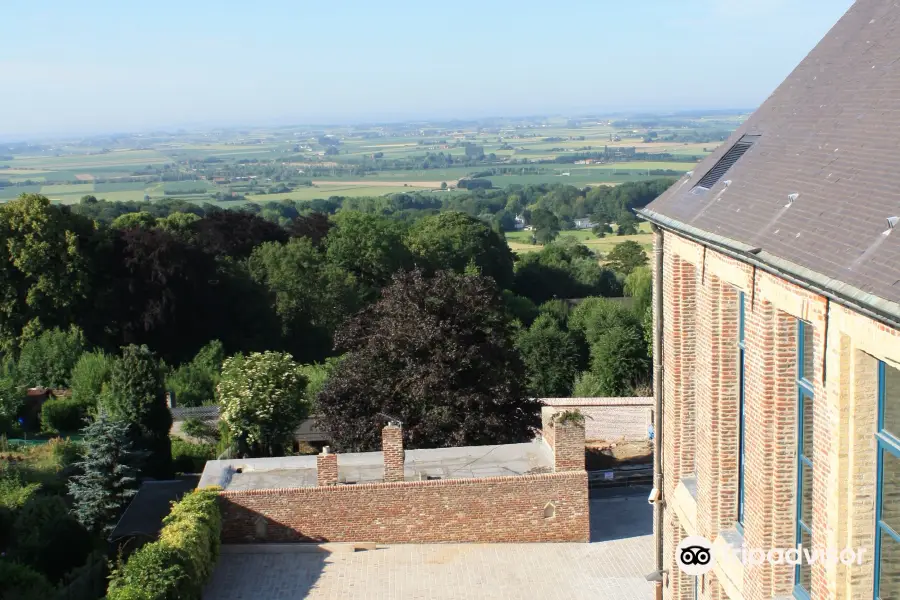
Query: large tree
column 262, row 401
column 436, row 353
column 235, row 233
column 136, row 394
column 454, row 241
column 108, row 476
column 314, row 226
column 48, row 359
column 44, row 276
column 552, row 358
column 369, row 246
column 626, row 257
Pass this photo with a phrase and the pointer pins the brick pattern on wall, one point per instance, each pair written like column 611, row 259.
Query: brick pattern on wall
column 608, row 419
column 568, row 451
column 488, row 510
column 327, row 469
column 770, row 401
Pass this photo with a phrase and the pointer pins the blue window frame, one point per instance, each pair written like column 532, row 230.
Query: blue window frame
column 887, row 505
column 741, row 352
column 805, row 396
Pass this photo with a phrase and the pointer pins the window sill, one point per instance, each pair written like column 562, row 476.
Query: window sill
column 729, row 568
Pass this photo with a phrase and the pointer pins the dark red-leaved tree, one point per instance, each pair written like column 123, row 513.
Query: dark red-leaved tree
column 436, row 353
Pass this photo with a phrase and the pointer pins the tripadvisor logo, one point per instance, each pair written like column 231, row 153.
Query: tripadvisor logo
column 695, row 555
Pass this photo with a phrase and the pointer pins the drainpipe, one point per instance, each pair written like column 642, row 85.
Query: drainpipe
column 658, row 396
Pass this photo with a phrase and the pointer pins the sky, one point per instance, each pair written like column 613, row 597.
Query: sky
column 85, row 66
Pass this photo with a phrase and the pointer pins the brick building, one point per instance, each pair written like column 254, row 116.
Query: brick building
column 777, row 325
column 530, row 492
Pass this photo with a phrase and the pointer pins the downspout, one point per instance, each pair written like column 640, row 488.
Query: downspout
column 658, row 396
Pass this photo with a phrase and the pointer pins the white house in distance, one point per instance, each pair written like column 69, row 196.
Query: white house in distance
column 585, row 223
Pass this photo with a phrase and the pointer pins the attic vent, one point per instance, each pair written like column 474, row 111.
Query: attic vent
column 726, row 162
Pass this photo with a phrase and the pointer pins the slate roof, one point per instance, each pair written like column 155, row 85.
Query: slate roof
column 830, row 133
column 150, row 506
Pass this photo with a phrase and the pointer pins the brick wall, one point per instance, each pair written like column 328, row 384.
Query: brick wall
column 392, row 448
column 701, row 417
column 549, row 507
column 607, row 419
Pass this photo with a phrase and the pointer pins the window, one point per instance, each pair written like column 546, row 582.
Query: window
column 887, row 507
column 726, row 162
column 805, row 395
column 741, row 351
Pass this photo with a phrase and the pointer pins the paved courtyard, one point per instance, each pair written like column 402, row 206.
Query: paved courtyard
column 612, row 568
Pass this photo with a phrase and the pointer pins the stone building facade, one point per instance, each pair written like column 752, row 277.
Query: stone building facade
column 777, row 322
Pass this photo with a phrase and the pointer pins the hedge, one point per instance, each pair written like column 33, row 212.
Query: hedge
column 181, row 561
column 62, row 415
column 22, row 582
column 191, row 458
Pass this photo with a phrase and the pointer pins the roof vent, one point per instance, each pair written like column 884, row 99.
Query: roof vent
column 727, row 161
column 727, row 182
column 791, row 198
column 892, row 222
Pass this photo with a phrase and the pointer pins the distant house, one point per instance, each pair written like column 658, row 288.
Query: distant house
column 520, row 222
column 584, row 224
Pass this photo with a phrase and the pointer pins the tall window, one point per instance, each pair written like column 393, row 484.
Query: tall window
column 741, row 351
column 887, row 522
column 805, row 397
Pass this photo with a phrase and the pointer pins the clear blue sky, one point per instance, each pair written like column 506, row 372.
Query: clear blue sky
column 92, row 65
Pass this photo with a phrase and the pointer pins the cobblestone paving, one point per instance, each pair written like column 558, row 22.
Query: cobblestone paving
column 613, row 570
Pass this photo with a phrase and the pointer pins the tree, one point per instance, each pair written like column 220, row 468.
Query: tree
column 619, row 361
column 369, row 246
column 454, row 240
column 314, row 226
column 48, row 359
column 44, row 276
column 236, row 233
column 551, row 358
column 639, row 285
column 137, row 396
column 89, row 375
column 626, row 257
column 194, row 383
column 594, row 317
column 179, row 224
column 108, row 478
column 47, row 538
column 135, row 219
column 436, row 353
column 443, row 185
column 262, row 401
column 546, row 225
column 311, row 295
column 12, row 397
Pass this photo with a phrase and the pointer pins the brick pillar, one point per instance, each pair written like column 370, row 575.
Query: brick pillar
column 770, row 429
column 326, row 468
column 717, row 407
column 568, row 451
column 392, row 449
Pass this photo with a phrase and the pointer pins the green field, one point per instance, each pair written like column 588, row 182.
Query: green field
column 520, row 241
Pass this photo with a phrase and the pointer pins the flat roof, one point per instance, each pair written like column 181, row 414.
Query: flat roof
column 465, row 462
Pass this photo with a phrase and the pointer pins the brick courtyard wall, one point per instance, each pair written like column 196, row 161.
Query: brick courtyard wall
column 326, row 468
column 568, row 449
column 394, row 456
column 551, row 507
column 607, row 419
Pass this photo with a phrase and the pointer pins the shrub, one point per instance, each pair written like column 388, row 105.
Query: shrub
column 181, row 561
column 62, row 415
column 88, row 376
column 199, row 429
column 191, row 458
column 48, row 359
column 48, row 539
column 23, row 583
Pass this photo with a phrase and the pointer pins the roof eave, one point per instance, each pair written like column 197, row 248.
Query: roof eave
column 875, row 307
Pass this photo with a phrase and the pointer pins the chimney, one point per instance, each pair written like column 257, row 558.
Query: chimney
column 392, row 449
column 326, row 468
column 568, row 449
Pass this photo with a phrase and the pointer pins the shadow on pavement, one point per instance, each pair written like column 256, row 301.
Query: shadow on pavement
column 618, row 513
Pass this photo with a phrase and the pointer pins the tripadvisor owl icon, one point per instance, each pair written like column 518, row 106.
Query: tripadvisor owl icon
column 695, row 555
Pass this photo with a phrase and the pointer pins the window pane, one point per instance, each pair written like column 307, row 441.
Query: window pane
column 889, row 578
column 890, row 490
column 807, row 400
column 804, row 571
column 808, row 364
column 806, row 497
column 892, row 400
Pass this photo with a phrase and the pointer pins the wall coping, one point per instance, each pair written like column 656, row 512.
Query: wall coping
column 629, row 401
column 405, row 484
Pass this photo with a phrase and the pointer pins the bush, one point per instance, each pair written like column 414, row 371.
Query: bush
column 23, row 583
column 47, row 538
column 48, row 359
column 62, row 415
column 191, row 458
column 88, row 581
column 88, row 376
column 181, row 561
column 200, row 429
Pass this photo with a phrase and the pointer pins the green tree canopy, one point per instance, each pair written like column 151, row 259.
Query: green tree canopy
column 453, row 240
column 619, row 361
column 369, row 246
column 436, row 353
column 89, row 375
column 551, row 358
column 626, row 257
column 48, row 359
column 135, row 219
column 639, row 285
column 194, row 383
column 262, row 401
